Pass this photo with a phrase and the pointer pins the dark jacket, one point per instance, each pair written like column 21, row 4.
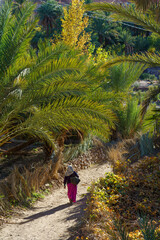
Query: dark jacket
column 67, row 178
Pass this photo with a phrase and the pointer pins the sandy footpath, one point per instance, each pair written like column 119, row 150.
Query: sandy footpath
column 53, row 218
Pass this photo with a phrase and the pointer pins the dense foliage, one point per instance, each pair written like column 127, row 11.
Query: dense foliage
column 41, row 89
column 69, row 73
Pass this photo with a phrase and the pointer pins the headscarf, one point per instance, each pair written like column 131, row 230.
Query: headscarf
column 69, row 171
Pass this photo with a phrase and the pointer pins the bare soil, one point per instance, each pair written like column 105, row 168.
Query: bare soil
column 52, row 217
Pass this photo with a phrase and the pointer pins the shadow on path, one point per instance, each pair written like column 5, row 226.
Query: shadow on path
column 44, row 213
column 76, row 214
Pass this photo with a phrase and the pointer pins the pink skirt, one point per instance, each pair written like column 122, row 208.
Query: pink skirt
column 72, row 191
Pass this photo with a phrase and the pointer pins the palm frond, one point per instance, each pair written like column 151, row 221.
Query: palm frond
column 151, row 120
column 128, row 14
column 75, row 113
column 148, row 58
column 53, row 69
column 124, row 75
column 129, row 119
column 15, row 37
column 16, row 71
column 48, row 52
column 145, row 5
column 151, row 95
column 46, row 93
column 4, row 15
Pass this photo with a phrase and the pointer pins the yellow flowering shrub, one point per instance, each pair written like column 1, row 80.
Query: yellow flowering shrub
column 74, row 24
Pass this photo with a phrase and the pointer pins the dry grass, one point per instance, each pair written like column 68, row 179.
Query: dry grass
column 31, row 175
column 120, row 155
column 20, row 184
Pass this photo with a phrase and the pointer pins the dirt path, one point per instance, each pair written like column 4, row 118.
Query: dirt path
column 53, row 218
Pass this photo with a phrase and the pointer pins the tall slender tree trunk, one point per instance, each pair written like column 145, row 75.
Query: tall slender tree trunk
column 59, row 156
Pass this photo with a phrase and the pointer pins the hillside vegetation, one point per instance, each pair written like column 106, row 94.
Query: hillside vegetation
column 69, row 78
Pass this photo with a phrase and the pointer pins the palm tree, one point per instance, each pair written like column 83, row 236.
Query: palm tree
column 146, row 19
column 119, row 82
column 105, row 32
column 131, row 14
column 128, row 40
column 43, row 95
column 48, row 13
column 122, row 76
column 129, row 119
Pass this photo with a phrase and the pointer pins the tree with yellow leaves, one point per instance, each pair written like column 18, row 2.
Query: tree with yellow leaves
column 74, row 24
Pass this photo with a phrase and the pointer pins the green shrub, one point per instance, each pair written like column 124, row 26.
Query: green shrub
column 148, row 76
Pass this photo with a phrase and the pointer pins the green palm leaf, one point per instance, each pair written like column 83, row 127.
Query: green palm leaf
column 130, row 13
column 129, row 119
column 16, row 34
column 127, row 13
column 47, row 93
column 150, row 59
column 151, row 96
column 148, row 20
column 124, row 75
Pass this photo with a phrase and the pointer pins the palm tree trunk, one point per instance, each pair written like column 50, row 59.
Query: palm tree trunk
column 48, row 152
column 59, row 156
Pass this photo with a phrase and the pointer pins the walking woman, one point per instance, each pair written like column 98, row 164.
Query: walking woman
column 72, row 188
